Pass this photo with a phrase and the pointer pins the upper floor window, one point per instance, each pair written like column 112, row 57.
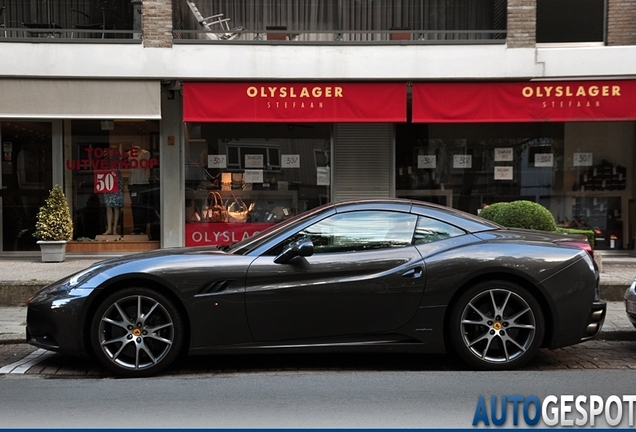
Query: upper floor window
column 568, row 21
column 105, row 20
column 340, row 20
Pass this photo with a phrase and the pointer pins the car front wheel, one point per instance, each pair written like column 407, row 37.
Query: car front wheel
column 136, row 332
column 497, row 325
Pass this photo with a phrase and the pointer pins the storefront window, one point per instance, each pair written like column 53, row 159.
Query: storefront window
column 469, row 166
column 113, row 167
column 572, row 169
column 242, row 178
column 26, row 172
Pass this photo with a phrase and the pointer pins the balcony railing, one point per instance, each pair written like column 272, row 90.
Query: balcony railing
column 342, row 37
column 340, row 21
column 65, row 20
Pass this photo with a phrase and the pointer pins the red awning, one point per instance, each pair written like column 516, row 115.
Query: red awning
column 524, row 101
column 294, row 102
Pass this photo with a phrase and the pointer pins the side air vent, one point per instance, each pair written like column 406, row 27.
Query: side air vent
column 215, row 287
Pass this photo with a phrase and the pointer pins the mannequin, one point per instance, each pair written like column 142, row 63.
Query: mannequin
column 112, row 219
column 114, row 202
column 138, row 186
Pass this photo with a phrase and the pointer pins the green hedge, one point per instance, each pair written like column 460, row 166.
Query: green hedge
column 520, row 214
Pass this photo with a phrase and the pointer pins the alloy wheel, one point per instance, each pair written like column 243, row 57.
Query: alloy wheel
column 136, row 334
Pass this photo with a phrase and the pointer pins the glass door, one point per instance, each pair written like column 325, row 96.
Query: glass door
column 25, row 180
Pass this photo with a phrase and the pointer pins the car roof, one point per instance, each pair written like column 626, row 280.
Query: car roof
column 464, row 220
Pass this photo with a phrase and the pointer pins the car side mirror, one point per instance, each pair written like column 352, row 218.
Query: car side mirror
column 303, row 247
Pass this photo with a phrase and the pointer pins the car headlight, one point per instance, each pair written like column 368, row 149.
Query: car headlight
column 65, row 285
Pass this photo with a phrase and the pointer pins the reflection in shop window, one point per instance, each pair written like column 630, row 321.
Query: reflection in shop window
column 241, row 179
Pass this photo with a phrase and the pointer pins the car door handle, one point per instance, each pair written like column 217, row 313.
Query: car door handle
column 413, row 273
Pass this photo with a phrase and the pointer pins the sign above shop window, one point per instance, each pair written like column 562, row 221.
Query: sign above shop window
column 294, row 102
column 524, row 101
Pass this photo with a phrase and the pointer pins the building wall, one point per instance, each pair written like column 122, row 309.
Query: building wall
column 157, row 23
column 621, row 22
column 522, row 19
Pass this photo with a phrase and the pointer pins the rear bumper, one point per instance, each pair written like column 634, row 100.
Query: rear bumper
column 595, row 320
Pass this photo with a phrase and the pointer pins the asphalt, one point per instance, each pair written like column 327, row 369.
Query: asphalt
column 21, row 277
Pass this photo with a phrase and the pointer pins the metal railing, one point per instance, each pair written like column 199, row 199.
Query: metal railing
column 55, row 33
column 335, row 37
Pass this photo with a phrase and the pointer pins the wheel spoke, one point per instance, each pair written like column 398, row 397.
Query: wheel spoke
column 121, row 324
column 479, row 339
column 142, row 347
column 145, row 316
column 521, row 326
column 159, row 338
column 485, row 351
column 123, row 314
column 516, row 316
column 484, row 318
column 121, row 348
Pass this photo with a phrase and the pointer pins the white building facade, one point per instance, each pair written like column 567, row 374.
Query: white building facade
column 150, row 116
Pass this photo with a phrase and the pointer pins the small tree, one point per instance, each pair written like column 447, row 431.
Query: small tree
column 54, row 218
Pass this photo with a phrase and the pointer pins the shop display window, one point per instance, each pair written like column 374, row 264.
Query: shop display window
column 470, row 166
column 112, row 168
column 242, row 178
column 26, row 179
column 571, row 169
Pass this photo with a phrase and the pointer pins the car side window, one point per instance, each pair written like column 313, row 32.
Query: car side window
column 431, row 230
column 358, row 231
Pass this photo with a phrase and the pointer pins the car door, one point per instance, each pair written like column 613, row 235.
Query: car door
column 364, row 276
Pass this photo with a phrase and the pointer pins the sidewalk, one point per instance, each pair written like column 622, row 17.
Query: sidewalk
column 19, row 278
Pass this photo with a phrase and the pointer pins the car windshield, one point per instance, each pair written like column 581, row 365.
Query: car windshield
column 251, row 243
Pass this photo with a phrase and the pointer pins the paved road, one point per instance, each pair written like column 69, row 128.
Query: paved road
column 295, row 399
column 597, row 354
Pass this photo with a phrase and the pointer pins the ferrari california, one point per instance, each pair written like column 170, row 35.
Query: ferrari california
column 365, row 275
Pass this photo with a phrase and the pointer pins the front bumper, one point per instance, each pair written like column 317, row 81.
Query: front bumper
column 55, row 323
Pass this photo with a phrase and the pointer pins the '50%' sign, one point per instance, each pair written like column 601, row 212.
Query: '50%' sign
column 105, row 182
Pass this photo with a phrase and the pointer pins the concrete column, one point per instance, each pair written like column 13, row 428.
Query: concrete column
column 172, row 168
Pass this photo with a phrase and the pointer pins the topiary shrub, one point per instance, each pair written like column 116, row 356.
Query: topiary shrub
column 494, row 212
column 54, row 219
column 520, row 214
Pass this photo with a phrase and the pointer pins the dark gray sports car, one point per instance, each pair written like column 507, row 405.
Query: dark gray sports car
column 369, row 275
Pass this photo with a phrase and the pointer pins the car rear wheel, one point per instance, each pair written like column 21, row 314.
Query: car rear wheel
column 497, row 325
column 136, row 332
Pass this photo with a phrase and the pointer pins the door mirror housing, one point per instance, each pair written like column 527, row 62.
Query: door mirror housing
column 302, row 247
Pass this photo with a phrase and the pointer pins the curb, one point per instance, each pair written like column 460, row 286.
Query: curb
column 613, row 292
column 17, row 293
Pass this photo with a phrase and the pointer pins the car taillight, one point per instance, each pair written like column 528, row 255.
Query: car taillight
column 581, row 244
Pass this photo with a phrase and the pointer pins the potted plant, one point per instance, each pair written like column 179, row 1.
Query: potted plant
column 54, row 226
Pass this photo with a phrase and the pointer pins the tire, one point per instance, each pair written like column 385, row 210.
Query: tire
column 496, row 325
column 137, row 332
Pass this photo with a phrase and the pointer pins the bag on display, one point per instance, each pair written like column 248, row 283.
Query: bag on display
column 237, row 210
column 216, row 211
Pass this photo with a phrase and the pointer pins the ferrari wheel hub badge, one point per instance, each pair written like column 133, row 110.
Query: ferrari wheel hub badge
column 497, row 325
column 136, row 332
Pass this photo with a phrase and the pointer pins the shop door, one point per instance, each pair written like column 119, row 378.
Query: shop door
column 25, row 179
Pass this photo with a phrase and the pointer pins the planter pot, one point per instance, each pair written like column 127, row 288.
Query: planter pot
column 53, row 251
